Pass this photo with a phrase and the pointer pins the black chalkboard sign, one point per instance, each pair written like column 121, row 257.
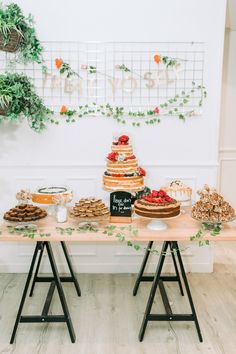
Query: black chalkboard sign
column 120, row 204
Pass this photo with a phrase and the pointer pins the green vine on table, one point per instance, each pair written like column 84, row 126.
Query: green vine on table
column 120, row 232
column 27, row 232
column 200, row 235
column 69, row 231
column 65, row 230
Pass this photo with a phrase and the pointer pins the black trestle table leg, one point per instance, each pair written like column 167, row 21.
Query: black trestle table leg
column 176, row 269
column 149, row 278
column 74, row 279
column 66, row 279
column 37, row 270
column 158, row 282
column 142, row 269
column 55, row 283
column 48, row 299
column 60, row 292
column 29, row 276
column 175, row 245
column 153, row 291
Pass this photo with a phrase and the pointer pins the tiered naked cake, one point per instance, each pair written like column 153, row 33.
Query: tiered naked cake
column 157, row 205
column 123, row 172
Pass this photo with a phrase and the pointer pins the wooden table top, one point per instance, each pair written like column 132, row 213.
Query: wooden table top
column 179, row 229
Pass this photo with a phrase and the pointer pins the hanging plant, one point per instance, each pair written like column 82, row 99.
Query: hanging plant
column 17, row 34
column 19, row 100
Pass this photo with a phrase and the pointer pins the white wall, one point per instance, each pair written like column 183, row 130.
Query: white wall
column 75, row 156
column 227, row 171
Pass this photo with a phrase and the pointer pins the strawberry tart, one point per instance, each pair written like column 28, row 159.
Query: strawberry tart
column 158, row 204
column 123, row 172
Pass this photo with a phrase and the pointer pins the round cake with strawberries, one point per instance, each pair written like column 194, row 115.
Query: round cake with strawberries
column 123, row 172
column 158, row 204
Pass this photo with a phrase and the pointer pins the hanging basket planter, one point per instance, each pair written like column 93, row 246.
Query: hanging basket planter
column 13, row 43
column 18, row 35
column 4, row 110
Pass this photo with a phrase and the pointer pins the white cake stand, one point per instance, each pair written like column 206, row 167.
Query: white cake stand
column 158, row 224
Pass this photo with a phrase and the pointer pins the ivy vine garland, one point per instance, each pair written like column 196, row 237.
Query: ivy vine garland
column 119, row 232
column 25, row 231
column 172, row 107
column 213, row 229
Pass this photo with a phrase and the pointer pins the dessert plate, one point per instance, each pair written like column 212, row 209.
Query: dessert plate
column 93, row 221
column 22, row 225
column 213, row 223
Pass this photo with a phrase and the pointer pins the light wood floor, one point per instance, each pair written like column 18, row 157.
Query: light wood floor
column 107, row 317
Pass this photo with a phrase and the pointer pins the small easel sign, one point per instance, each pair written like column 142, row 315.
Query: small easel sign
column 120, row 207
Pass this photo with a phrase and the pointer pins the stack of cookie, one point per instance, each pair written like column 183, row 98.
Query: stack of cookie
column 89, row 208
column 24, row 213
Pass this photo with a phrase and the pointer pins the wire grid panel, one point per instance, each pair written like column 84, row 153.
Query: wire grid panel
column 143, row 86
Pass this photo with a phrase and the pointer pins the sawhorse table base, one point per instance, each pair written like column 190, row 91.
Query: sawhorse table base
column 55, row 281
column 158, row 280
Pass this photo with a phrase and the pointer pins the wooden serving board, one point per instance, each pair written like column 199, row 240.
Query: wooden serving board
column 121, row 219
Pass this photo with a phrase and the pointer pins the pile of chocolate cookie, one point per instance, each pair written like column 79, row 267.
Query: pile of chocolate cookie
column 89, row 208
column 25, row 212
column 212, row 207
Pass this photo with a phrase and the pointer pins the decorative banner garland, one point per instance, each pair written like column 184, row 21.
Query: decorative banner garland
column 172, row 107
column 64, row 68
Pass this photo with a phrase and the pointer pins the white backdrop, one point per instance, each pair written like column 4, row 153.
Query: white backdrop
column 75, row 154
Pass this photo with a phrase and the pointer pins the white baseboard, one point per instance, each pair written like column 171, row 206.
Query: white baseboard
column 106, row 268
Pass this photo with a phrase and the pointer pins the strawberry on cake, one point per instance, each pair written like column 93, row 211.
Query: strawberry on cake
column 123, row 172
column 158, row 204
